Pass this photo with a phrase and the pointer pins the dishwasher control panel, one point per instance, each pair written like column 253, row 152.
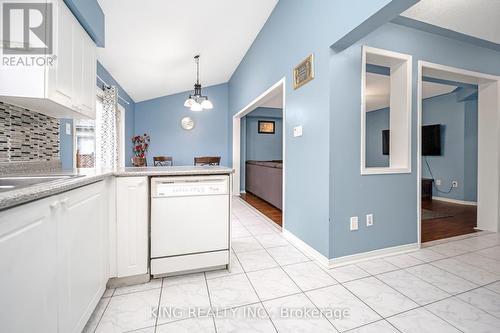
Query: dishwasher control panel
column 172, row 187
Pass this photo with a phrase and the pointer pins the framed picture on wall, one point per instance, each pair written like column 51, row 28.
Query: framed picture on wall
column 267, row 127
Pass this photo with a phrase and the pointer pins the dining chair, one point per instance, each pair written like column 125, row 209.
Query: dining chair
column 207, row 160
column 163, row 161
column 139, row 161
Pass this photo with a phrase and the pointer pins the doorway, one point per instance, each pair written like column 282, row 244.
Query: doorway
column 457, row 152
column 259, row 153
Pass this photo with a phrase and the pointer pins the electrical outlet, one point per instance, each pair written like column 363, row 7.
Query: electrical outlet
column 297, row 131
column 369, row 220
column 438, row 182
column 68, row 129
column 354, row 223
column 454, row 183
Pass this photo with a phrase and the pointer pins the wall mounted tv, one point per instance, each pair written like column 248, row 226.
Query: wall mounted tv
column 431, row 140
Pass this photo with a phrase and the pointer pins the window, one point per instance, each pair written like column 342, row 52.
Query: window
column 385, row 112
column 85, row 143
column 87, row 137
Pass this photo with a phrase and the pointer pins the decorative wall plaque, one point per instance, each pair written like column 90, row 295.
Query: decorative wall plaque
column 267, row 127
column 303, row 72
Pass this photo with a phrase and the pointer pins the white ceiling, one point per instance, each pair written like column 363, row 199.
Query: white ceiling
column 477, row 18
column 273, row 101
column 378, row 91
column 150, row 44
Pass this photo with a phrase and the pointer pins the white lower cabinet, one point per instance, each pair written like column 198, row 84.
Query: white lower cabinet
column 132, row 207
column 28, row 264
column 82, row 249
column 53, row 254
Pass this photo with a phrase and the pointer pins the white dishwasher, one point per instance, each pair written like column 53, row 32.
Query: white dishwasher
column 190, row 224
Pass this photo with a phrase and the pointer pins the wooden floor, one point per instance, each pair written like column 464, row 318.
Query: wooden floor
column 462, row 221
column 264, row 207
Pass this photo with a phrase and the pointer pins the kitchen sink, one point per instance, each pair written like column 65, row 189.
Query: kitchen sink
column 10, row 183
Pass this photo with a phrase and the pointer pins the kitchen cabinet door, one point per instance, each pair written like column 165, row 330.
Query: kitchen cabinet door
column 61, row 73
column 82, row 229
column 88, row 85
column 132, row 215
column 28, row 278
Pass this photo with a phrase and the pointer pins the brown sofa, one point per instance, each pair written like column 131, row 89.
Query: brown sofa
column 265, row 180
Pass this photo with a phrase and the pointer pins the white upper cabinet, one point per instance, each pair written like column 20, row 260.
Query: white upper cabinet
column 64, row 88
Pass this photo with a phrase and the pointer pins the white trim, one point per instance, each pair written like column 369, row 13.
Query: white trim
column 419, row 153
column 398, row 163
column 455, row 201
column 266, row 219
column 467, row 76
column 306, row 248
column 121, row 145
column 384, row 171
column 237, row 140
column 388, row 251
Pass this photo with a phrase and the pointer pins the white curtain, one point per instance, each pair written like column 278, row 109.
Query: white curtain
column 108, row 132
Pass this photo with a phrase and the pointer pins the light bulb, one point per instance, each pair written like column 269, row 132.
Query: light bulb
column 189, row 102
column 196, row 107
column 206, row 104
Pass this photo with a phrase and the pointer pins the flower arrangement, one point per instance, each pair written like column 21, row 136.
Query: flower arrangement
column 141, row 145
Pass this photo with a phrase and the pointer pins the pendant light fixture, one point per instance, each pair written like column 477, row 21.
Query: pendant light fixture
column 196, row 101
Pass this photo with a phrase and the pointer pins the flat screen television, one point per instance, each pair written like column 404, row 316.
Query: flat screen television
column 431, row 140
column 385, row 142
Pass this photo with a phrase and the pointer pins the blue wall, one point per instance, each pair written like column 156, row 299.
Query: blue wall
column 376, row 122
column 255, row 146
column 66, row 144
column 391, row 198
column 264, row 147
column 455, row 155
column 91, row 17
column 160, row 118
column 272, row 56
column 129, row 109
column 471, row 148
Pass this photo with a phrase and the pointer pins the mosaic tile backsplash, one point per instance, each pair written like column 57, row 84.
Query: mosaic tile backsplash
column 27, row 136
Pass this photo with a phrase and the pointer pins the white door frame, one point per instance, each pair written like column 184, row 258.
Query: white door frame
column 488, row 182
column 237, row 139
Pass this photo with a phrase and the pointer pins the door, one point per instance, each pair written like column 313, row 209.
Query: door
column 81, row 230
column 28, row 279
column 132, row 198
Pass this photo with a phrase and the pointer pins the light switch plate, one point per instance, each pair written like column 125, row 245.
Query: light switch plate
column 438, row 182
column 68, row 128
column 354, row 223
column 369, row 220
column 297, row 131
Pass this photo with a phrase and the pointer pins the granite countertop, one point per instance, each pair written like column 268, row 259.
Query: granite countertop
column 173, row 171
column 27, row 194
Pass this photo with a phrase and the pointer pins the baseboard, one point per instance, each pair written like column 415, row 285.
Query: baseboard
column 306, row 248
column 389, row 251
column 128, row 281
column 455, row 201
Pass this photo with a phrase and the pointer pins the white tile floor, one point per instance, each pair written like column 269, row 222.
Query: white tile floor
column 453, row 286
